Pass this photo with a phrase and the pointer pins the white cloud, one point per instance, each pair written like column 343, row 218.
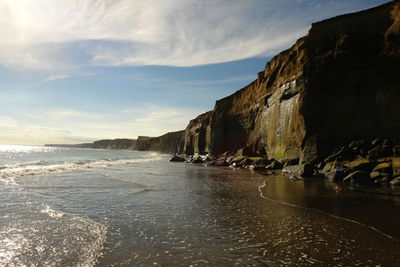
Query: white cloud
column 43, row 126
column 7, row 122
column 157, row 120
column 57, row 77
column 67, row 33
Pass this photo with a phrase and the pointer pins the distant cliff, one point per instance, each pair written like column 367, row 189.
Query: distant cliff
column 339, row 83
column 103, row 144
column 167, row 143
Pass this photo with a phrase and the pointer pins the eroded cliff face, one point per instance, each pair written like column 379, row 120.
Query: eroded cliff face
column 167, row 143
column 338, row 83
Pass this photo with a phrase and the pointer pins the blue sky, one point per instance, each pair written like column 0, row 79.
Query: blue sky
column 76, row 71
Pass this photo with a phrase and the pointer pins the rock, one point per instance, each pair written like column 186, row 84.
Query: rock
column 246, row 151
column 376, row 142
column 396, row 151
column 362, row 165
column 218, row 163
column 357, row 144
column 384, row 167
column 386, row 179
column 177, row 159
column 261, row 161
column 245, row 161
column 396, row 166
column 197, row 160
column 380, row 152
column 291, row 162
column 306, row 170
column 344, row 153
column 375, row 175
column 257, row 167
column 299, row 171
column 321, row 165
column 274, row 165
column 335, row 176
column 358, row 178
column 395, row 181
column 327, row 168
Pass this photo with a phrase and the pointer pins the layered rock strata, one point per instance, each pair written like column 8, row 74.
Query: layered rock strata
column 167, row 143
column 340, row 82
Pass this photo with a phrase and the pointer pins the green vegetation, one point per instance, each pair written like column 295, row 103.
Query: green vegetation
column 279, row 155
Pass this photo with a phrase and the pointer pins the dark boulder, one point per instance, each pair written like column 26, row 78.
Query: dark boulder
column 335, row 176
column 380, row 151
column 274, row 165
column 362, row 165
column 291, row 162
column 396, row 151
column 257, row 167
column 358, row 178
column 395, row 181
column 299, row 171
column 384, row 167
column 177, row 159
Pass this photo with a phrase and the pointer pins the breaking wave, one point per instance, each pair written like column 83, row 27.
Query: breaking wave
column 43, row 167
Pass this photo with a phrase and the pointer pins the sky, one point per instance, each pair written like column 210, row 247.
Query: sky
column 74, row 71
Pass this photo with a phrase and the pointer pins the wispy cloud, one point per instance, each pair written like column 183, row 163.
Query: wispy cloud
column 56, row 77
column 65, row 33
column 42, row 126
column 7, row 122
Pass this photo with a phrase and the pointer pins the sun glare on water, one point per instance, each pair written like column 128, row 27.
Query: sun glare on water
column 24, row 149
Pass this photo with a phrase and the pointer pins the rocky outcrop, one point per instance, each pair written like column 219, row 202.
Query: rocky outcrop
column 167, row 143
column 338, row 83
column 122, row 143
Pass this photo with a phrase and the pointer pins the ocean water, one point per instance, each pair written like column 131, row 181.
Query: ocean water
column 84, row 207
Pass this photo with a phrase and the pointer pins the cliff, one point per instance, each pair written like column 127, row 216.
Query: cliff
column 339, row 83
column 167, row 143
column 115, row 144
column 103, row 144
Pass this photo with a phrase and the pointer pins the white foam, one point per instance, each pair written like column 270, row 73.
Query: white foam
column 38, row 168
column 51, row 212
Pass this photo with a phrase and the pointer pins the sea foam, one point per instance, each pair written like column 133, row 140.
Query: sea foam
column 43, row 168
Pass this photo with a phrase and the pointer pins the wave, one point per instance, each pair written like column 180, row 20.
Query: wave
column 42, row 167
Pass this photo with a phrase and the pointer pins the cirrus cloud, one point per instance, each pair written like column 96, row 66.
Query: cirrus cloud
column 70, row 33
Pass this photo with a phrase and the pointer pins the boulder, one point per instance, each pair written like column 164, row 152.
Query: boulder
column 384, row 167
column 396, row 151
column 380, row 151
column 197, row 160
column 177, row 159
column 274, row 165
column 358, row 178
column 395, row 181
column 335, row 176
column 246, row 151
column 375, row 175
column 361, row 165
column 396, row 166
column 291, row 162
column 299, row 171
column 261, row 161
column 321, row 165
column 257, row 167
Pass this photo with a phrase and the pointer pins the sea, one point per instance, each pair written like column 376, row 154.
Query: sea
column 88, row 207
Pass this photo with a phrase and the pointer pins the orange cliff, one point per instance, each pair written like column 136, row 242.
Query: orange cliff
column 339, row 83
